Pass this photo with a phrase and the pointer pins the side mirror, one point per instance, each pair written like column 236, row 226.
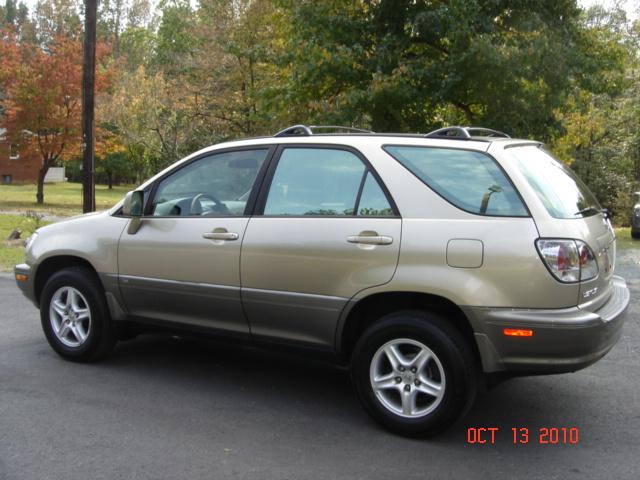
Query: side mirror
column 132, row 207
column 133, row 202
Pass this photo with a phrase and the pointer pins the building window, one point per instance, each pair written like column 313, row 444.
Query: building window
column 6, row 179
column 13, row 152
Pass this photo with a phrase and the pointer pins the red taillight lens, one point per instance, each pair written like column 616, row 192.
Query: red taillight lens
column 588, row 263
column 563, row 260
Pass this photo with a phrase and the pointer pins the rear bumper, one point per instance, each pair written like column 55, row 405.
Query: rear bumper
column 563, row 340
column 25, row 284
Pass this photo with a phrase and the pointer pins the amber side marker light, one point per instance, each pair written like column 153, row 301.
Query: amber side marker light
column 517, row 332
column 21, row 277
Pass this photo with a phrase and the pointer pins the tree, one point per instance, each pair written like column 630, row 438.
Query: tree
column 16, row 15
column 176, row 42
column 235, row 68
column 57, row 17
column 137, row 45
column 42, row 107
column 150, row 112
column 407, row 65
column 115, row 16
column 600, row 136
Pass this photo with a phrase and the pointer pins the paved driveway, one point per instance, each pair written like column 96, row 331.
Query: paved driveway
column 168, row 408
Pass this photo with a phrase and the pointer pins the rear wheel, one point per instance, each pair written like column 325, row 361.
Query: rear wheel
column 414, row 373
column 74, row 315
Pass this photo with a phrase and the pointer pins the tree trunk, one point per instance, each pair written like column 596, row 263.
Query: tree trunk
column 110, row 180
column 41, row 174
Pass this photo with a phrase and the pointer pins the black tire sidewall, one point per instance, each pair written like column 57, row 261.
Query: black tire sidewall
column 445, row 342
column 100, row 336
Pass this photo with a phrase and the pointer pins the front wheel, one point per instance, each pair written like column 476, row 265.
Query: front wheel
column 414, row 373
column 74, row 316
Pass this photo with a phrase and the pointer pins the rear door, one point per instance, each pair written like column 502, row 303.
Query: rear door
column 324, row 229
column 182, row 265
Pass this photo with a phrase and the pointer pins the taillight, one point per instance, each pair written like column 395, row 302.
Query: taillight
column 568, row 260
column 588, row 264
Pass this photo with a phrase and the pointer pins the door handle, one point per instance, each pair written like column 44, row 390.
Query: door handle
column 220, row 234
column 370, row 238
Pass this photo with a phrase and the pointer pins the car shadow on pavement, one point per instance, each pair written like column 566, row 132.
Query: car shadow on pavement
column 279, row 382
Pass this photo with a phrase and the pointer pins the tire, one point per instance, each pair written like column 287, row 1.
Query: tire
column 68, row 296
column 635, row 234
column 449, row 364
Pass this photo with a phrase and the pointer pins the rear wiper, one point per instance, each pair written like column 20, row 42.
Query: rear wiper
column 591, row 208
column 588, row 209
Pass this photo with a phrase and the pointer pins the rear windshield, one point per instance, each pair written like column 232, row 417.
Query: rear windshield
column 470, row 180
column 562, row 193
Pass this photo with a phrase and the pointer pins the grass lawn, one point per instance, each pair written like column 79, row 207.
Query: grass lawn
column 9, row 256
column 624, row 239
column 61, row 199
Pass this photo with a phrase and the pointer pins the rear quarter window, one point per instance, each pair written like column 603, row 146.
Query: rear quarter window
column 471, row 181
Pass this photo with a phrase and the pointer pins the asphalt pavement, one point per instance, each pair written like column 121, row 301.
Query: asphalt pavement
column 170, row 408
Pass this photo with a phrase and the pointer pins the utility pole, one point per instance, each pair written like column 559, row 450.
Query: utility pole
column 88, row 89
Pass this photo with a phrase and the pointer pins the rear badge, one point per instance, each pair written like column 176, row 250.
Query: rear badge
column 590, row 293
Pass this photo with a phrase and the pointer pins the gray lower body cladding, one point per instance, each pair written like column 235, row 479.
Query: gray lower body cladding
column 563, row 340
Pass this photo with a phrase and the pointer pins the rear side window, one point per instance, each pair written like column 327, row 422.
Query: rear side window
column 472, row 181
column 325, row 182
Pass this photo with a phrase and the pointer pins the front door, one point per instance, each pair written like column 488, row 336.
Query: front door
column 182, row 265
column 324, row 229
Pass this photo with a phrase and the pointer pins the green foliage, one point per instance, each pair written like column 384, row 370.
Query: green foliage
column 176, row 42
column 137, row 45
column 114, row 167
column 411, row 66
column 600, row 138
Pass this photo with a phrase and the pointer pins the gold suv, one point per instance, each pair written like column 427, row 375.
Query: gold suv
column 421, row 261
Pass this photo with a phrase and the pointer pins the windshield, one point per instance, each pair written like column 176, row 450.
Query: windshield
column 563, row 194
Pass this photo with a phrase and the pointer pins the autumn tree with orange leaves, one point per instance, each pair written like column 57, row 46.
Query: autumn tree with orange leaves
column 41, row 100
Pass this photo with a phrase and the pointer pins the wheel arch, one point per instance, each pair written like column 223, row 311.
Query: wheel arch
column 369, row 309
column 53, row 264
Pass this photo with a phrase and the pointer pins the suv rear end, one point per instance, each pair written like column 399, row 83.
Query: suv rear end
column 577, row 245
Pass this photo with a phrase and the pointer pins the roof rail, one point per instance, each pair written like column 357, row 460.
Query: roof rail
column 465, row 133
column 307, row 131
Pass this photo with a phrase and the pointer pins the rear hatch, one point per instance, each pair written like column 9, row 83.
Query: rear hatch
column 600, row 237
column 567, row 210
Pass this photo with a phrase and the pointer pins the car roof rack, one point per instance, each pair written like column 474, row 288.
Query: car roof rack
column 307, row 130
column 465, row 133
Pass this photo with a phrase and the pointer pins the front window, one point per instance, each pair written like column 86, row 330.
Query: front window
column 562, row 193
column 216, row 185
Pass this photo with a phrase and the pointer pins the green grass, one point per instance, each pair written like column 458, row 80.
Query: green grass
column 624, row 239
column 11, row 255
column 60, row 199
